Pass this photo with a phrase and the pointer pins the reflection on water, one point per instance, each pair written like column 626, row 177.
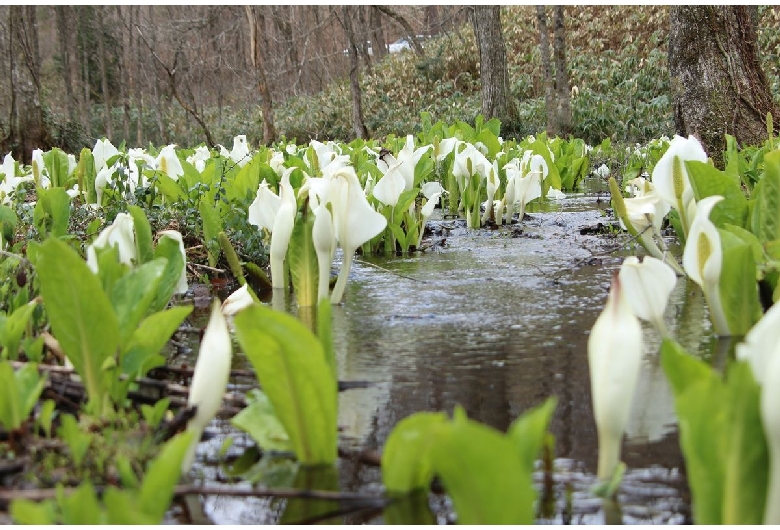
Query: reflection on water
column 497, row 323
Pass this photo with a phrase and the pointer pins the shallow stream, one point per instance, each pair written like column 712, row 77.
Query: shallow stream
column 495, row 320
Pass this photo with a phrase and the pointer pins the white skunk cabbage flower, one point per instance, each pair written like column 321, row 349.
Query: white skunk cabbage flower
column 120, row 233
column 199, row 158
column 169, row 163
column 209, row 380
column 240, row 151
column 425, row 212
column 238, row 300
column 390, row 187
column 181, row 285
column 354, row 222
column 614, row 359
column 102, row 152
column 647, row 286
column 282, row 229
column 703, row 260
column 324, row 240
column 670, row 177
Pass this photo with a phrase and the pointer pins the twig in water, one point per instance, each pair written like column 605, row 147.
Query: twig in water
column 391, row 272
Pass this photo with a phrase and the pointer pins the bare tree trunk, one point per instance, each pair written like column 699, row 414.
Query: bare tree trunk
column 82, row 51
column 549, row 84
column 717, row 84
column 563, row 96
column 256, row 21
column 27, row 128
column 64, row 38
column 377, row 34
column 135, row 75
column 100, row 13
column 416, row 46
column 358, row 124
column 486, row 21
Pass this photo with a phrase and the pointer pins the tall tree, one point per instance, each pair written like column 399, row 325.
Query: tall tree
column 549, row 82
column 486, row 21
column 717, row 84
column 27, row 129
column 62, row 14
column 563, row 96
column 100, row 14
column 256, row 25
column 358, row 124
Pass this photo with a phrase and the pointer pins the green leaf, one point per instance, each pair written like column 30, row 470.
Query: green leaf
column 121, row 508
column 78, row 441
column 153, row 415
column 143, row 234
column 706, row 181
column 702, row 408
column 133, row 293
column 299, row 510
column 167, row 186
column 80, row 313
column 81, row 507
column 56, row 162
column 406, row 462
column 8, row 222
column 747, row 459
column 528, row 431
column 154, row 332
column 259, row 420
column 169, row 249
column 291, row 366
column 766, row 211
column 738, row 288
column 303, row 261
column 483, row 474
column 37, row 513
column 161, row 477
column 12, row 329
column 325, row 334
column 411, row 509
column 212, row 226
column 52, row 211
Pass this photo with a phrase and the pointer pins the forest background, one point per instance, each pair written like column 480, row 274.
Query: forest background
column 202, row 74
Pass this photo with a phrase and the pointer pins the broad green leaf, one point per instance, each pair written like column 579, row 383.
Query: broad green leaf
column 154, row 414
column 29, row 385
column 528, row 431
column 259, row 420
column 747, row 459
column 132, row 294
column 56, row 162
column 303, row 261
column 244, row 186
column 143, row 350
column 399, row 235
column 167, row 186
column 553, row 177
column 749, row 238
column 291, row 366
column 85, row 173
column 483, row 474
column 738, row 288
column 406, row 463
column 80, row 313
column 702, row 408
column 706, row 181
column 167, row 248
column 82, row 506
column 121, row 508
column 77, row 440
column 8, row 222
column 766, row 211
column 405, row 200
column 13, row 327
column 37, row 513
column 143, row 234
column 52, row 211
column 161, row 477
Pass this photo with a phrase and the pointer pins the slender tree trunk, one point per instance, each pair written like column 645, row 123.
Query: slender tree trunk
column 64, row 38
column 100, row 13
column 563, row 125
column 717, row 84
column 377, row 34
column 27, row 128
column 256, row 25
column 85, row 102
column 135, row 75
column 358, row 124
column 549, row 83
column 486, row 21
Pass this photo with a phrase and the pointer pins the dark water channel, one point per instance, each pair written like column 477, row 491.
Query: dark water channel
column 497, row 321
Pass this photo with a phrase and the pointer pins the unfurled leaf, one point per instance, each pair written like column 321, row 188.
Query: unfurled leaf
column 292, row 369
column 132, row 294
column 302, row 258
column 528, row 431
column 143, row 235
column 161, row 477
column 406, row 461
column 153, row 333
column 260, row 421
